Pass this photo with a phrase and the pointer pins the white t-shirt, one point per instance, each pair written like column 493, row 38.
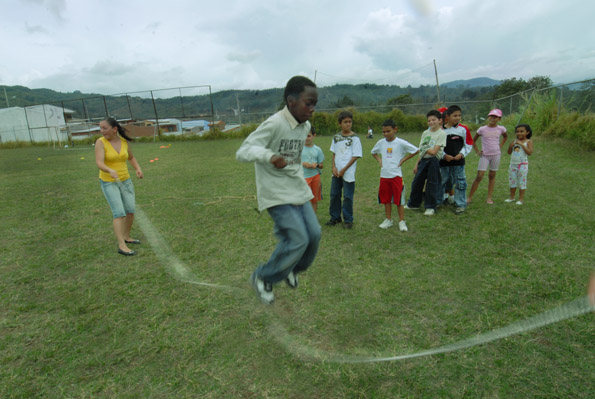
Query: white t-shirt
column 345, row 148
column 392, row 152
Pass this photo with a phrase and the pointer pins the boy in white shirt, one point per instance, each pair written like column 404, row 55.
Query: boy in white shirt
column 346, row 148
column 391, row 152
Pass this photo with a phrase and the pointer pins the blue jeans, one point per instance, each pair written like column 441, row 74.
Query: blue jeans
column 428, row 174
column 338, row 185
column 456, row 174
column 119, row 197
column 298, row 231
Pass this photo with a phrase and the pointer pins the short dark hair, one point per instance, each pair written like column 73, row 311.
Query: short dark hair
column 345, row 114
column 295, row 86
column 452, row 109
column 389, row 122
column 527, row 128
column 434, row 112
column 312, row 130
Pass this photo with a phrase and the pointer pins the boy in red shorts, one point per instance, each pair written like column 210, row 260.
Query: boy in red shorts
column 312, row 162
column 391, row 153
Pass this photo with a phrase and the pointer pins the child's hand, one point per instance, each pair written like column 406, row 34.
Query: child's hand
column 458, row 157
column 278, row 161
column 415, row 170
column 448, row 158
column 335, row 171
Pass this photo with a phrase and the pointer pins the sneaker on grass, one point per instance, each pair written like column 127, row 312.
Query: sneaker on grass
column 386, row 224
column 411, row 207
column 429, row 212
column 403, row 226
column 292, row 280
column 264, row 291
column 459, row 211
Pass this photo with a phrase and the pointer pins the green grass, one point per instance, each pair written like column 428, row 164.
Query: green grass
column 79, row 321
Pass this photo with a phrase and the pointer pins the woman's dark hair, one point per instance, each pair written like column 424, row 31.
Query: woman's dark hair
column 527, row 128
column 121, row 131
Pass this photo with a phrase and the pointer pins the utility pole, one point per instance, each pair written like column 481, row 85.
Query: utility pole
column 315, row 72
column 238, row 108
column 437, row 84
column 6, row 97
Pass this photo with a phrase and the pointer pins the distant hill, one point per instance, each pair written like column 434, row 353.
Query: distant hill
column 475, row 82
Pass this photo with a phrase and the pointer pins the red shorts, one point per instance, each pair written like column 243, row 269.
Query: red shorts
column 315, row 186
column 391, row 191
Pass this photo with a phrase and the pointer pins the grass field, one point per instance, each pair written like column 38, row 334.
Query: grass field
column 77, row 320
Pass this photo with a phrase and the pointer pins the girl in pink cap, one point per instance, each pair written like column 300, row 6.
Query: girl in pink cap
column 493, row 137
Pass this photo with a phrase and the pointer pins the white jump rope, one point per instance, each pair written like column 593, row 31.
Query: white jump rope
column 180, row 272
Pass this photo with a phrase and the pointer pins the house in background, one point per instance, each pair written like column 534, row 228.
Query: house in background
column 39, row 123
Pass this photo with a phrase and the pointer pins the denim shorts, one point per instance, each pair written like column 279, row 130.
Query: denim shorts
column 120, row 197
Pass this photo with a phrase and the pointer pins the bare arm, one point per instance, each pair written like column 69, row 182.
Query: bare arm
column 134, row 163
column 504, row 138
column 408, row 157
column 475, row 145
column 378, row 158
column 433, row 151
column 351, row 162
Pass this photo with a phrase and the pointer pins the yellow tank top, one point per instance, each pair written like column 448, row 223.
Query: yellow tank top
column 114, row 160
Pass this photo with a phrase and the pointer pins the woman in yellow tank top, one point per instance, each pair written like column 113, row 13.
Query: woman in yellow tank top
column 111, row 153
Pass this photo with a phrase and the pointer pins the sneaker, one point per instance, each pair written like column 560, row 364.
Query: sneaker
column 333, row 222
column 264, row 291
column 411, row 207
column 292, row 280
column 386, row 224
column 403, row 226
column 519, row 202
column 430, row 212
column 348, row 225
column 509, row 200
column 450, row 200
column 459, row 211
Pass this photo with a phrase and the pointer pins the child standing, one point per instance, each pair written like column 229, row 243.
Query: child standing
column 452, row 166
column 276, row 148
column 493, row 137
column 390, row 154
column 312, row 162
column 519, row 151
column 346, row 148
column 427, row 168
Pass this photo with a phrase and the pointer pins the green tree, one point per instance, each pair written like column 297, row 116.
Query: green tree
column 402, row 99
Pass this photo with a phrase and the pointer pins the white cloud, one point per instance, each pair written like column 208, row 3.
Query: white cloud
column 110, row 46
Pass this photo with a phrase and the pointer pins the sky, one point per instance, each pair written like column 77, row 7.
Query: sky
column 118, row 46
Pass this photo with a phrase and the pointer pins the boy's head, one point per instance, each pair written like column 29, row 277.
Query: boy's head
column 434, row 119
column 310, row 136
column 301, row 97
column 389, row 129
column 345, row 121
column 454, row 114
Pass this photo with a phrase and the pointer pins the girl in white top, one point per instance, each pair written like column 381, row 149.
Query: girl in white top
column 519, row 151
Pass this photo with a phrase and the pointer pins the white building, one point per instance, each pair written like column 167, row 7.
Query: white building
column 39, row 123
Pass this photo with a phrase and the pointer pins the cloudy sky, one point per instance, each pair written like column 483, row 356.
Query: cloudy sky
column 116, row 46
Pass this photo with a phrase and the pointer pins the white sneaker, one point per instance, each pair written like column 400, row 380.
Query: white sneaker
column 386, row 224
column 519, row 202
column 264, row 291
column 403, row 226
column 430, row 212
column 292, row 280
column 509, row 200
column 410, row 207
column 451, row 200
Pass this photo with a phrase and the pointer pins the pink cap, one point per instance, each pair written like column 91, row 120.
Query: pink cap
column 496, row 112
